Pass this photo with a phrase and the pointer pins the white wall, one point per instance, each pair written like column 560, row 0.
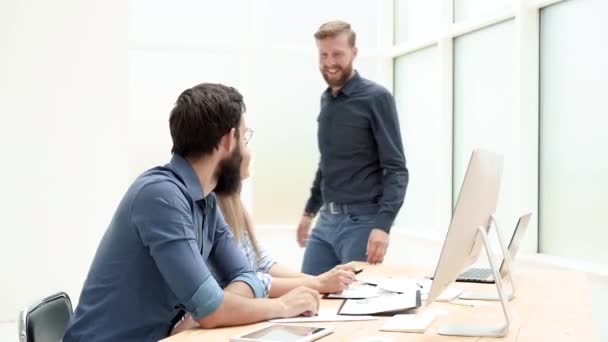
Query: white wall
column 63, row 105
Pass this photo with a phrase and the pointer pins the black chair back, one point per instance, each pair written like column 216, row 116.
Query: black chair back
column 45, row 320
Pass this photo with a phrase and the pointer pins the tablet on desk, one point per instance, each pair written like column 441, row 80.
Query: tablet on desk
column 284, row 333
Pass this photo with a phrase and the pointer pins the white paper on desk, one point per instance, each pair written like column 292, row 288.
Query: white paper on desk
column 324, row 315
column 370, row 280
column 359, row 291
column 447, row 295
column 382, row 304
column 400, row 284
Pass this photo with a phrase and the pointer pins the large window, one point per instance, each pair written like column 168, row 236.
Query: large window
column 418, row 93
column 416, row 20
column 574, row 117
column 462, row 93
column 488, row 56
column 485, row 110
column 466, row 10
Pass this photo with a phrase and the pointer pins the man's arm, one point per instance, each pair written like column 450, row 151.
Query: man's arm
column 231, row 265
column 247, row 310
column 385, row 127
column 162, row 217
column 315, row 201
column 238, row 310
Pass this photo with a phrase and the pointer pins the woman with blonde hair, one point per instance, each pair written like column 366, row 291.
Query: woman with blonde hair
column 277, row 278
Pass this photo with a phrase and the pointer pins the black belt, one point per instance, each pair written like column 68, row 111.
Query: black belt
column 345, row 208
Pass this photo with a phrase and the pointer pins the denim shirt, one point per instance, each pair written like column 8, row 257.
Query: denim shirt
column 152, row 263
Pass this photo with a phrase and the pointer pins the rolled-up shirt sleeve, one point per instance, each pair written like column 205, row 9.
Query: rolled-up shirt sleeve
column 163, row 219
column 230, row 263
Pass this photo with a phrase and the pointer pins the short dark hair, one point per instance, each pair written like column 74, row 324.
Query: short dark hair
column 202, row 115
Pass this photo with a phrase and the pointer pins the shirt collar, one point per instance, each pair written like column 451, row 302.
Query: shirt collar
column 186, row 172
column 351, row 84
column 348, row 88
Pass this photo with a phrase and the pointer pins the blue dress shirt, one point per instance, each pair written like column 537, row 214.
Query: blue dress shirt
column 154, row 259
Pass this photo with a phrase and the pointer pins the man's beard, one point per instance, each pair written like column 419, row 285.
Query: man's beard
column 343, row 78
column 229, row 174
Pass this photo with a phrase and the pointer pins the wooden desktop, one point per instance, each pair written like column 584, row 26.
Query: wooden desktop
column 549, row 305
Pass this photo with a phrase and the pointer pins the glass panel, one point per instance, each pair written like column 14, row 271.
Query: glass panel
column 416, row 20
column 486, row 112
column 418, row 93
column 474, row 9
column 574, row 162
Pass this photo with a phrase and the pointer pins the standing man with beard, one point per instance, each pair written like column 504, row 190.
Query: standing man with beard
column 152, row 264
column 361, row 180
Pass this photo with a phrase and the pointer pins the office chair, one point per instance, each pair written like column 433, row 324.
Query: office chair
column 45, row 320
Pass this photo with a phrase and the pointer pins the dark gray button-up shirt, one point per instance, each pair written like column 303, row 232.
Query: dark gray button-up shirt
column 362, row 157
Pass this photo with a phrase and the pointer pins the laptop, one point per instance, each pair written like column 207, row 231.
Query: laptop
column 484, row 275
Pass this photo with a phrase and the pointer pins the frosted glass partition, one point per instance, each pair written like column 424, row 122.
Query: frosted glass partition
column 418, row 94
column 486, row 112
column 416, row 20
column 573, row 140
column 465, row 10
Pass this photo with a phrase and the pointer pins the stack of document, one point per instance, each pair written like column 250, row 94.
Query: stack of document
column 404, row 285
column 359, row 291
column 373, row 296
column 385, row 304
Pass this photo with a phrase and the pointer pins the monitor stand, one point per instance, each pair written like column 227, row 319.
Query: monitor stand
column 508, row 273
column 488, row 330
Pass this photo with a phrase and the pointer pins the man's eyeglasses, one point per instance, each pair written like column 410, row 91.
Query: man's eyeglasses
column 247, row 136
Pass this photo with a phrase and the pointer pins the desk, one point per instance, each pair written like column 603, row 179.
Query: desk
column 549, row 306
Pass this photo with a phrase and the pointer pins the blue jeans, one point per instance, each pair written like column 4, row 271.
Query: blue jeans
column 340, row 236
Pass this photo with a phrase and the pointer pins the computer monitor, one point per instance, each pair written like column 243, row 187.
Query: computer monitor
column 477, row 202
column 486, row 275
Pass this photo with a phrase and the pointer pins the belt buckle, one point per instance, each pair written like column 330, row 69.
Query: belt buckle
column 332, row 208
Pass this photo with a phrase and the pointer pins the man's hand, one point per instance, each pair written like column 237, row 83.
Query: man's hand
column 300, row 301
column 335, row 280
column 303, row 230
column 377, row 246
